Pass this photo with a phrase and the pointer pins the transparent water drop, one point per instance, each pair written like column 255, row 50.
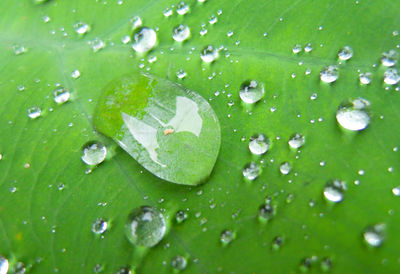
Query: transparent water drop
column 136, row 22
column 308, row 48
column 251, row 171
column 396, row 191
column 266, row 212
column 61, row 95
column 389, row 59
column 97, row 44
column 329, row 74
column 227, row 236
column 167, row 12
column 98, row 268
column 365, row 78
column 3, row 265
column 334, row 190
column 391, row 76
column 179, row 262
column 213, row 19
column 297, row 48
column 94, row 153
column 181, row 33
column 144, row 39
column 34, row 112
column 125, row 39
column 75, row 74
column 181, row 216
column 375, row 235
column 182, row 8
column 285, row 168
column 296, row 141
column 145, row 226
column 277, row 242
column 345, row 53
column 181, row 74
column 353, row 116
column 125, row 270
column 99, row 226
column 259, row 144
column 19, row 268
column 18, row 49
column 209, row 54
column 326, row 264
column 251, row 91
column 81, row 28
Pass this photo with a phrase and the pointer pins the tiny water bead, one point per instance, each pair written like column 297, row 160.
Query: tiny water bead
column 75, row 74
column 94, row 153
column 285, row 168
column 144, row 39
column 389, row 59
column 296, row 49
column 345, row 53
column 334, row 191
column 277, row 242
column 146, row 226
column 181, row 74
column 251, row 91
column 34, row 112
column 99, row 226
column 81, row 28
column 259, row 144
column 227, row 236
column 125, row 270
column 209, row 54
column 19, row 268
column 181, row 216
column 3, row 265
column 353, row 115
column 179, row 262
column 396, row 191
column 329, row 74
column 375, row 235
column 365, row 78
column 296, row 141
column 97, row 44
column 181, row 33
column 61, row 95
column 266, row 212
column 182, row 8
column 391, row 76
column 251, row 171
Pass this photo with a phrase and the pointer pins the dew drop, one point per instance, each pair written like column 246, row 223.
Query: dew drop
column 326, row 264
column 277, row 243
column 182, row 8
column 3, row 265
column 124, row 270
column 353, row 115
column 94, row 153
column 251, row 171
column 34, row 112
column 179, row 262
column 181, row 74
column 227, row 236
column 296, row 49
column 365, row 78
column 167, row 12
column 251, row 91
column 75, row 74
column 81, row 28
column 61, row 95
column 266, row 212
column 213, row 20
column 345, row 53
column 259, row 144
column 375, row 235
column 125, row 39
column 181, row 216
column 145, row 226
column 18, row 49
column 209, row 54
column 97, row 44
column 329, row 74
column 396, row 191
column 144, row 39
column 99, row 226
column 391, row 76
column 308, row 48
column 389, row 59
column 181, row 33
column 19, row 268
column 285, row 168
column 296, row 141
column 334, row 191
column 136, row 22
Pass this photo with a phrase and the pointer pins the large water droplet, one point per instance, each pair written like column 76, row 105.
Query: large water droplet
column 296, row 141
column 329, row 74
column 345, row 53
column 179, row 262
column 259, row 144
column 34, row 112
column 251, row 171
column 251, row 91
column 94, row 153
column 389, row 59
column 145, row 226
column 61, row 95
column 181, row 33
column 353, row 115
column 3, row 265
column 144, row 39
column 334, row 191
column 227, row 236
column 375, row 235
column 391, row 76
column 99, row 226
column 209, row 54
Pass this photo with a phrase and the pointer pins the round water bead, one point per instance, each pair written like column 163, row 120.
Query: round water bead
column 179, row 262
column 94, row 153
column 209, row 54
column 99, row 226
column 266, row 212
column 389, row 59
column 227, row 236
column 61, row 95
column 181, row 216
column 259, row 144
column 353, row 115
column 334, row 191
column 391, row 76
column 145, row 226
column 285, row 168
column 365, row 78
column 296, row 141
column 181, row 33
column 251, row 91
column 329, row 74
column 144, row 39
column 34, row 112
column 375, row 235
column 345, row 53
column 251, row 171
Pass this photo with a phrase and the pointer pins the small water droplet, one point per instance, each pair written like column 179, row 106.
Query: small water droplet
column 297, row 48
column 209, row 54
column 326, row 264
column 81, row 28
column 251, row 171
column 99, row 226
column 353, row 115
column 3, row 265
column 345, row 53
column 181, row 33
column 34, row 112
column 365, row 78
column 391, row 76
column 375, row 235
column 227, row 236
column 145, row 226
column 308, row 48
column 396, row 191
column 266, row 212
column 94, row 153
column 285, row 168
column 181, row 74
column 296, row 141
column 18, row 49
column 61, row 95
column 277, row 243
column 181, row 216
column 182, row 8
column 389, row 59
column 179, row 262
column 75, row 74
column 19, row 268
column 136, row 22
column 98, row 268
column 213, row 20
column 167, row 12
column 329, row 74
column 259, row 144
column 251, row 91
column 144, row 39
column 334, row 190
column 97, row 44
column 124, row 270
column 125, row 39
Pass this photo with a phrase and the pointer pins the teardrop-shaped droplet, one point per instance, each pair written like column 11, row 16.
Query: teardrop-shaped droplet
column 144, row 39
column 170, row 130
column 145, row 227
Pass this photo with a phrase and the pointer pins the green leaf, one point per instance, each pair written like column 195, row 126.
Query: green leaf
column 49, row 202
column 171, row 131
